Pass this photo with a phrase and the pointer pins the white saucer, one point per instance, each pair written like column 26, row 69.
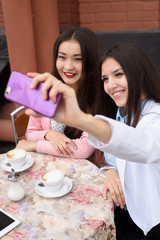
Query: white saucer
column 28, row 163
column 65, row 188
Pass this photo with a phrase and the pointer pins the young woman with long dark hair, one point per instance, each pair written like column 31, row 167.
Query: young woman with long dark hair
column 132, row 140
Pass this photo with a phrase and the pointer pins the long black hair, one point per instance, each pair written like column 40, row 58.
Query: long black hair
column 88, row 94
column 141, row 73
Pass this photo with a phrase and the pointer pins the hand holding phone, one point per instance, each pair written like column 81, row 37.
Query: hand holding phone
column 18, row 91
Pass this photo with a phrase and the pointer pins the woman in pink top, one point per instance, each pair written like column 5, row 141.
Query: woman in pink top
column 36, row 134
column 76, row 64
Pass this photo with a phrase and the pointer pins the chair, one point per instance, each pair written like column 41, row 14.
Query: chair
column 19, row 123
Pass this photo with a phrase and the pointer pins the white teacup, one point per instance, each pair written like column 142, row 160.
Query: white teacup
column 16, row 157
column 52, row 180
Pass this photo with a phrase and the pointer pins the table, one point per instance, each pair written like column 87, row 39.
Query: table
column 80, row 214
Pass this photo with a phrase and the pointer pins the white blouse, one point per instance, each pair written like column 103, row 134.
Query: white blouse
column 138, row 162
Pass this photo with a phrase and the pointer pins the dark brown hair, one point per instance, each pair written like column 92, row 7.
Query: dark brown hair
column 89, row 91
column 141, row 73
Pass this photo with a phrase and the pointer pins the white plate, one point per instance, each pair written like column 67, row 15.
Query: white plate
column 28, row 163
column 65, row 188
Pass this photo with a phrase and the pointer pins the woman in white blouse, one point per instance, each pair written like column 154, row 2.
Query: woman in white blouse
column 132, row 138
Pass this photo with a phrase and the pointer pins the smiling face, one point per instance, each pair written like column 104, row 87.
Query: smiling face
column 115, row 81
column 69, row 63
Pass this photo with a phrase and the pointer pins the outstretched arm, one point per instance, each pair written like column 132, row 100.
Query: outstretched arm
column 68, row 111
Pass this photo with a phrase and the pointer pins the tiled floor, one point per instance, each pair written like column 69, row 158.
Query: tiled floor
column 6, row 146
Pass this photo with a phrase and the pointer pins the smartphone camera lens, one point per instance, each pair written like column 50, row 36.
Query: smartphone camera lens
column 8, row 90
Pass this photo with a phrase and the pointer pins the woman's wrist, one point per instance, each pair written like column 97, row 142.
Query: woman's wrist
column 109, row 170
column 95, row 127
column 82, row 120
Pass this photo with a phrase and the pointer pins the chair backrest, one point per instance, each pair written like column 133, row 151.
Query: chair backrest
column 19, row 123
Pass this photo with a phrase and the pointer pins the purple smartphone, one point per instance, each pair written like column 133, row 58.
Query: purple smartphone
column 18, row 91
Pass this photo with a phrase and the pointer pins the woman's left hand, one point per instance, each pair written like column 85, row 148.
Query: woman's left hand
column 112, row 184
column 60, row 142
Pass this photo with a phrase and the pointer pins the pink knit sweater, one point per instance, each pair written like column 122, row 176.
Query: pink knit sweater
column 38, row 127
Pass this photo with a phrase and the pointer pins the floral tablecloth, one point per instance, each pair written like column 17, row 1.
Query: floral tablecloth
column 80, row 214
